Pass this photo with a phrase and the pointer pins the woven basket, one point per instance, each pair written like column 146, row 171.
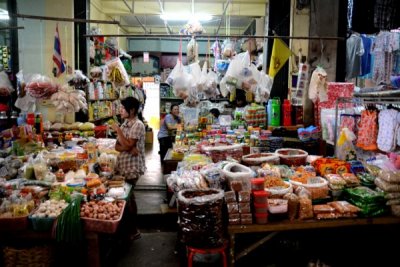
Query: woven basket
column 32, row 257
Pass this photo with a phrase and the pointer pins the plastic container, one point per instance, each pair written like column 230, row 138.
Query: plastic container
column 292, row 157
column 257, row 184
column 260, row 158
column 260, row 196
column 261, row 218
column 318, row 188
column 279, row 191
column 287, row 112
column 103, row 226
column 41, row 224
column 261, row 207
column 276, row 206
column 275, row 112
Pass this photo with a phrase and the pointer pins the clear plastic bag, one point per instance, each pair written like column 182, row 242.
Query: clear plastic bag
column 6, row 87
column 228, row 49
column 40, row 86
column 192, row 50
column 180, row 80
column 116, row 72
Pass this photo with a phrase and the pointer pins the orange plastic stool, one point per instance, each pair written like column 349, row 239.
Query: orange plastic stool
column 204, row 251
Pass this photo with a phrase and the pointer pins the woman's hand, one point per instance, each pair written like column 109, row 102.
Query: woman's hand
column 116, row 128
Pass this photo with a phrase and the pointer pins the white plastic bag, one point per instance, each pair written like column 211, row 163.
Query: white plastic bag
column 180, row 80
column 5, row 86
column 192, row 51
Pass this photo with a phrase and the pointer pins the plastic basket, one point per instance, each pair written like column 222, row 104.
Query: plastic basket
column 292, row 157
column 103, row 226
column 34, row 257
column 41, row 224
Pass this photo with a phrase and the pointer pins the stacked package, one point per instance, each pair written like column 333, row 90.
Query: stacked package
column 389, row 182
column 238, row 204
column 370, row 202
column 335, row 209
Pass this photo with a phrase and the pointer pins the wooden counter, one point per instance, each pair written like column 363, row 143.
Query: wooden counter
column 275, row 227
column 170, row 164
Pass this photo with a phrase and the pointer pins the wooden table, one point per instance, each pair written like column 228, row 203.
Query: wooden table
column 275, row 227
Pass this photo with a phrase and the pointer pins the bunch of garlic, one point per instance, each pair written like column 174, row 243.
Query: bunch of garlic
column 50, row 209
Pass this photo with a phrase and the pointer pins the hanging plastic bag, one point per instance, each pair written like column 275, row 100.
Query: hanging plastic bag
column 195, row 70
column 202, row 84
column 345, row 147
column 228, row 49
column 116, row 72
column 40, row 86
column 263, row 88
column 211, row 88
column 192, row 51
column 318, row 88
column 5, row 86
column 216, row 51
column 179, row 79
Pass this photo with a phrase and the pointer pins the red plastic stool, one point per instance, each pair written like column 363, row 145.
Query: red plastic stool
column 204, row 251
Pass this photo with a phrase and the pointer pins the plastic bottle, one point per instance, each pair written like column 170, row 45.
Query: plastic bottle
column 269, row 112
column 275, row 112
column 21, row 119
column 30, row 119
column 287, row 112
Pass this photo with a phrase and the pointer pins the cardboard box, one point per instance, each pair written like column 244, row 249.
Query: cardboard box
column 149, row 137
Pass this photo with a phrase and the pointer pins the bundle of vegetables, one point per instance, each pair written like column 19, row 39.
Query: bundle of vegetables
column 69, row 100
column 40, row 86
column 69, row 228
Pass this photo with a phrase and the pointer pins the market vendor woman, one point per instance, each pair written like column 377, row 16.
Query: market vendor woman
column 166, row 135
column 131, row 160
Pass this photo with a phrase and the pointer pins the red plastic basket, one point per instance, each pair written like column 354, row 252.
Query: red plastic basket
column 103, row 226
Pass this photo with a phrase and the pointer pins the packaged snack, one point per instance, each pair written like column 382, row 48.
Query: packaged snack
column 323, row 209
column 336, row 182
column 234, row 219
column 246, row 218
column 323, row 216
column 230, row 196
column 387, row 187
column 306, row 210
column 343, row 207
column 244, row 196
column 351, row 179
column 233, row 208
column 293, row 205
column 244, row 207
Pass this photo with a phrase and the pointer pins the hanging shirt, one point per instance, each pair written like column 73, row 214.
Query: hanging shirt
column 383, row 47
column 366, row 57
column 354, row 51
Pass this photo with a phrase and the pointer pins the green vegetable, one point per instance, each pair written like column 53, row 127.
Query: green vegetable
column 69, row 228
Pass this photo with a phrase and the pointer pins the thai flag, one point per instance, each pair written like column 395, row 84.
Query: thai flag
column 57, row 58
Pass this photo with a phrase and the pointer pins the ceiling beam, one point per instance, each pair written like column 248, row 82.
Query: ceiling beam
column 169, row 31
column 137, row 19
column 223, row 15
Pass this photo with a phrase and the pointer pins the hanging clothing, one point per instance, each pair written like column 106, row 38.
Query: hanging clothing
column 354, row 51
column 368, row 130
column 387, row 130
column 383, row 47
column 366, row 57
column 386, row 16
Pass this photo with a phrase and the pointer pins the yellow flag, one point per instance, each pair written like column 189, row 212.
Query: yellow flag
column 280, row 54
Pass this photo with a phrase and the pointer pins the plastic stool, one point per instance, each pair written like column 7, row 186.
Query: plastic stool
column 218, row 250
